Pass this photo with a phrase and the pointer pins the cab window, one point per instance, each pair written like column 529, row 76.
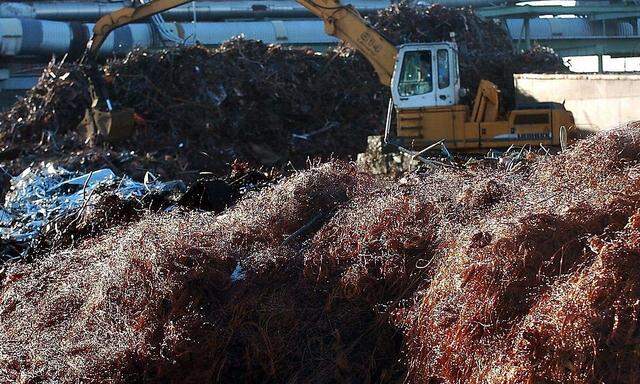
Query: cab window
column 415, row 76
column 443, row 68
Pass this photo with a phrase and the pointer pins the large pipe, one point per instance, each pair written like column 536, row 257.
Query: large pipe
column 205, row 10
column 19, row 37
column 564, row 28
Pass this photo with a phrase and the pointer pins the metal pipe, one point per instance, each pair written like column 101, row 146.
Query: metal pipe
column 43, row 37
column 19, row 37
column 204, row 10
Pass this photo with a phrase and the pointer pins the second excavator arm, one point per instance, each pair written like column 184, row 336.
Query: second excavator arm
column 125, row 16
column 345, row 23
column 101, row 118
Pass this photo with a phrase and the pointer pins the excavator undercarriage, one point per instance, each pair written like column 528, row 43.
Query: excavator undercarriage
column 427, row 136
column 483, row 127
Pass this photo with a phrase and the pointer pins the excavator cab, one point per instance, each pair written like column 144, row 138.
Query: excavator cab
column 426, row 75
column 425, row 89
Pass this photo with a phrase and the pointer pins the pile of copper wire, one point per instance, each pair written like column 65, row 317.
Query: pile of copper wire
column 333, row 275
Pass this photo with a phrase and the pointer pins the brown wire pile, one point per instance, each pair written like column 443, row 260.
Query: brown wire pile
column 541, row 286
column 475, row 275
column 199, row 298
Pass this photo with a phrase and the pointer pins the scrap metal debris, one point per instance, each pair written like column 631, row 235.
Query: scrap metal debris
column 450, row 276
column 48, row 207
column 198, row 109
column 47, row 193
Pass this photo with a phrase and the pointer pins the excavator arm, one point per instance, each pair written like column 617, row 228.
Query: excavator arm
column 341, row 21
column 125, row 16
column 486, row 105
column 101, row 119
column 345, row 23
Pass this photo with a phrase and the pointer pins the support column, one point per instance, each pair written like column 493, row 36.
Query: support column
column 521, row 36
column 600, row 63
column 527, row 37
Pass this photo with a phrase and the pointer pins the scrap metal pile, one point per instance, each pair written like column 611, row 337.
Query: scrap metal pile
column 333, row 275
column 42, row 198
column 518, row 273
column 48, row 208
column 198, row 109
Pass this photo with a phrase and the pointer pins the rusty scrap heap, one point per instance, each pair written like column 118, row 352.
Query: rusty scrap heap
column 336, row 276
column 199, row 109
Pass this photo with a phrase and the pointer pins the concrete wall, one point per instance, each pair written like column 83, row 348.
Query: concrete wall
column 597, row 101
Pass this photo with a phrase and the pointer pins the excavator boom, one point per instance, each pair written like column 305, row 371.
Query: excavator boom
column 345, row 23
column 486, row 106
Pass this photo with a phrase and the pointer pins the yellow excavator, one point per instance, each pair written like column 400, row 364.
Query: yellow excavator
column 425, row 92
column 424, row 81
